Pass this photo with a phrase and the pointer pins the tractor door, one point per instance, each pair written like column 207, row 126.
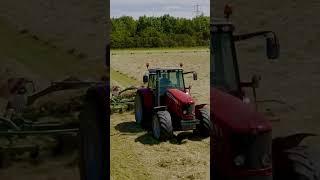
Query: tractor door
column 224, row 66
column 152, row 86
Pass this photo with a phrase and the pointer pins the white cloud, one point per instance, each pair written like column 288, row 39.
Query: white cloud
column 178, row 8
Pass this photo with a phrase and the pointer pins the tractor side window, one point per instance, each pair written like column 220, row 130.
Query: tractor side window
column 165, row 82
column 176, row 79
column 224, row 75
column 152, row 84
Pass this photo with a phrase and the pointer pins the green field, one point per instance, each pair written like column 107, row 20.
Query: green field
column 31, row 57
column 135, row 154
column 41, row 56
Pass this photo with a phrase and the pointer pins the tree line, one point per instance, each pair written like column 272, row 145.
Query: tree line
column 163, row 31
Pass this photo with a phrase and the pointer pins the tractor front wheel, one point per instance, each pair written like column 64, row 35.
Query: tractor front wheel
column 205, row 125
column 299, row 166
column 162, row 125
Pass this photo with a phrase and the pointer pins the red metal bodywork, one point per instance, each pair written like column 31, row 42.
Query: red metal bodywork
column 231, row 116
column 231, row 113
column 175, row 100
column 181, row 96
column 147, row 96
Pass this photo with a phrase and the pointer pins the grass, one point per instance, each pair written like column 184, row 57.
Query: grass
column 46, row 60
column 163, row 48
column 135, row 154
column 122, row 79
column 124, row 163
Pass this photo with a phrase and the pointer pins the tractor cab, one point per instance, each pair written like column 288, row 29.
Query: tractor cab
column 225, row 71
column 161, row 79
column 166, row 78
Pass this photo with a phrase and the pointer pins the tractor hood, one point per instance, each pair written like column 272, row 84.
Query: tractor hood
column 231, row 113
column 181, row 96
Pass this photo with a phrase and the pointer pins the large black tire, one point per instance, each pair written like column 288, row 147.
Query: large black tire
column 138, row 110
column 205, row 126
column 162, row 126
column 94, row 139
column 300, row 166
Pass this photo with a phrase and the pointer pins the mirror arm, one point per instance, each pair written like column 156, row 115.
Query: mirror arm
column 242, row 37
column 189, row 72
column 246, row 84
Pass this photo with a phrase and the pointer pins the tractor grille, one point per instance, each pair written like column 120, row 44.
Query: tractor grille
column 190, row 109
column 255, row 148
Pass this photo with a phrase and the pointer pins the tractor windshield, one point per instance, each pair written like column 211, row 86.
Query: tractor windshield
column 224, row 65
column 171, row 79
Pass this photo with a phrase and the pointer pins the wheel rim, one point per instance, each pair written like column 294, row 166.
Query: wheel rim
column 138, row 110
column 156, row 127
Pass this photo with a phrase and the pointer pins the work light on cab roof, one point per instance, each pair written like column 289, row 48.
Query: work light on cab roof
column 227, row 11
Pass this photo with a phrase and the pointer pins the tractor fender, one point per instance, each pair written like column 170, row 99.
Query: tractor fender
column 291, row 160
column 159, row 108
column 199, row 106
column 288, row 142
column 147, row 98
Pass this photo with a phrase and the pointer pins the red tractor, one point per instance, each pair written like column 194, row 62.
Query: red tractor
column 241, row 141
column 166, row 105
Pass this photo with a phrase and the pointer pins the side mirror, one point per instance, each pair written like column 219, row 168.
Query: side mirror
column 195, row 76
column 273, row 47
column 145, row 78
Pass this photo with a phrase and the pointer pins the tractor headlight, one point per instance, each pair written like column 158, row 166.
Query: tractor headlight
column 266, row 160
column 184, row 111
column 239, row 160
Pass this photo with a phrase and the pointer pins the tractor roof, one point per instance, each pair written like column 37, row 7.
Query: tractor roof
column 218, row 23
column 153, row 70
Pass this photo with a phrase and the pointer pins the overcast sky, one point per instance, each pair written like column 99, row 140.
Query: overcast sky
column 177, row 8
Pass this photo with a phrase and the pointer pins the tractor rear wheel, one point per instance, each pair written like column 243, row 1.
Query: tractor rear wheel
column 139, row 114
column 162, row 125
column 300, row 165
column 205, row 126
column 93, row 135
